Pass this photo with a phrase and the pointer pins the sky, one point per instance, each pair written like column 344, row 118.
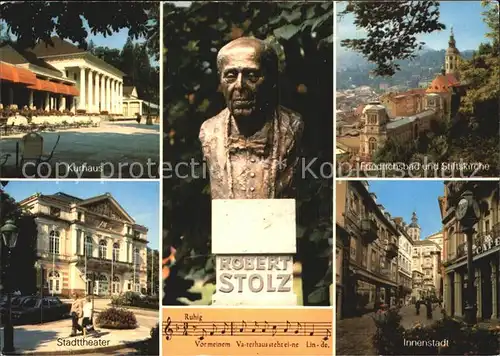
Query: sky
column 464, row 16
column 139, row 199
column 402, row 198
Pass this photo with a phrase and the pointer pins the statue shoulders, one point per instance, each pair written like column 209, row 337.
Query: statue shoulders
column 292, row 120
column 213, row 125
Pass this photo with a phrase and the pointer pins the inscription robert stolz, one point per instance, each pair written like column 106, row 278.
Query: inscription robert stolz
column 256, row 281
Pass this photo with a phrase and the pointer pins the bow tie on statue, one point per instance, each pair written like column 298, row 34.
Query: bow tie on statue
column 256, row 146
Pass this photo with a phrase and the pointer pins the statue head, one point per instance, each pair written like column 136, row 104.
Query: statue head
column 248, row 70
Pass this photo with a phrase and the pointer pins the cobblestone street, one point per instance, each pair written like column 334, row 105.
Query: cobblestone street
column 354, row 335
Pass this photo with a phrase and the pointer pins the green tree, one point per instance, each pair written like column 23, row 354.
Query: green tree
column 391, row 30
column 22, row 274
column 302, row 35
column 33, row 21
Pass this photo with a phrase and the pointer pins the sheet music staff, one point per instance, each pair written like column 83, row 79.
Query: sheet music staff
column 202, row 330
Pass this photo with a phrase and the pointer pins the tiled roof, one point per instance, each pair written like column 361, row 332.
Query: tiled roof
column 60, row 47
column 442, row 83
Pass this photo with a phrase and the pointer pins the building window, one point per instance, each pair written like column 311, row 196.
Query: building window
column 88, row 246
column 372, row 119
column 353, row 248
column 116, row 285
column 54, row 242
column 102, row 249
column 67, row 74
column 55, row 283
column 116, row 251
column 129, row 286
column 128, row 230
column 372, row 144
column 137, row 257
column 55, row 211
column 364, row 258
column 80, row 217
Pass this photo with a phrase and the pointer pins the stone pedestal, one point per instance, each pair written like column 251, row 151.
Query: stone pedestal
column 254, row 242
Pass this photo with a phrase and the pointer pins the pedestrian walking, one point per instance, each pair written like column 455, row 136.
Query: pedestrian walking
column 417, row 307
column 76, row 313
column 87, row 323
column 429, row 308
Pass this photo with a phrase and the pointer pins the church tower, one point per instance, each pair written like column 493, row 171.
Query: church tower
column 452, row 57
column 414, row 228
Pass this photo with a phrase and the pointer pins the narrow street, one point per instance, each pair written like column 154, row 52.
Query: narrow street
column 354, row 335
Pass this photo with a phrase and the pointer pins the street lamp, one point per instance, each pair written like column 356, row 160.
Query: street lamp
column 9, row 236
column 468, row 213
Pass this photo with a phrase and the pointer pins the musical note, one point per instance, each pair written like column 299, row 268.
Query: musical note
column 275, row 330
column 299, row 326
column 287, row 326
column 256, row 327
column 224, row 330
column 328, row 334
column 243, row 326
column 265, row 327
column 203, row 334
column 168, row 330
column 214, row 330
column 312, row 332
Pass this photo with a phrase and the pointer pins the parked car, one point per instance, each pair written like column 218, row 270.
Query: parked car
column 39, row 310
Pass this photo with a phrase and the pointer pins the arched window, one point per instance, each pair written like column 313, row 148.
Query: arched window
column 55, row 282
column 88, row 246
column 116, row 251
column 54, row 242
column 103, row 249
column 116, row 285
column 372, row 145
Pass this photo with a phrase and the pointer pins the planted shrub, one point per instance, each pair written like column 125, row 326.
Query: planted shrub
column 443, row 337
column 114, row 318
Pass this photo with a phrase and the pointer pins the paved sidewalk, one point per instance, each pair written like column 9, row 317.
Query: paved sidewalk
column 46, row 340
column 354, row 335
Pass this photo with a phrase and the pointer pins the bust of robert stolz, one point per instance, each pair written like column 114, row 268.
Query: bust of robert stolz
column 251, row 147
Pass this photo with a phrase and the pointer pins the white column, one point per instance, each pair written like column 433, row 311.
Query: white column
column 47, row 101
column 103, row 93
column 113, row 96
column 97, row 94
column 81, row 99
column 62, row 102
column 108, row 94
column 30, row 100
column 121, row 98
column 72, row 107
column 90, row 92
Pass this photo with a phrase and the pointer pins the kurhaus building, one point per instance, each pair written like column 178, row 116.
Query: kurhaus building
column 485, row 250
column 59, row 77
column 85, row 240
column 370, row 263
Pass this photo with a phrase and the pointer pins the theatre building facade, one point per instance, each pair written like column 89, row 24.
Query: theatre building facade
column 90, row 246
column 485, row 250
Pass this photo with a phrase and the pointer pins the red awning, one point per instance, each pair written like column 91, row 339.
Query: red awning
column 57, row 88
column 44, row 85
column 67, row 89
column 16, row 75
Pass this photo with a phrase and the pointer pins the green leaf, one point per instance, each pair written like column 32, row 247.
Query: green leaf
column 319, row 296
column 286, row 32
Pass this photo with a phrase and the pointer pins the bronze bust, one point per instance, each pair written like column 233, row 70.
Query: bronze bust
column 251, row 147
